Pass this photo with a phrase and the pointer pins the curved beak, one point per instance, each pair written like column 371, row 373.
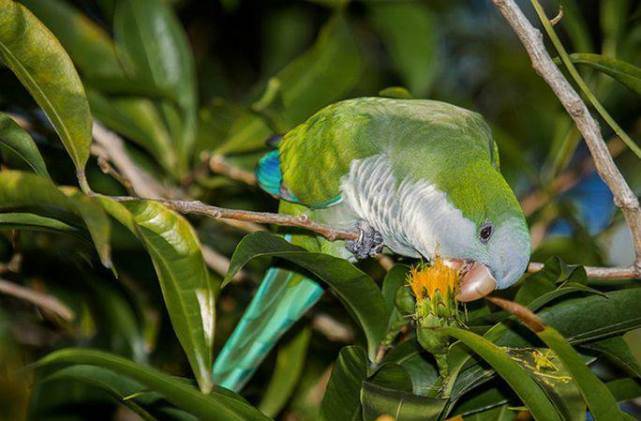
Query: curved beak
column 476, row 283
column 476, row 280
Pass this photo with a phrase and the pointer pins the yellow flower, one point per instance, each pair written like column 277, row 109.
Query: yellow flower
column 426, row 280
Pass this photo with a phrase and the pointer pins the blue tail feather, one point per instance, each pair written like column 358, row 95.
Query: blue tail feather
column 282, row 298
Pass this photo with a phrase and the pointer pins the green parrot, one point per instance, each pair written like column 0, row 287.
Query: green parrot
column 419, row 178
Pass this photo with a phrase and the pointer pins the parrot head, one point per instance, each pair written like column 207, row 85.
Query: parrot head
column 478, row 228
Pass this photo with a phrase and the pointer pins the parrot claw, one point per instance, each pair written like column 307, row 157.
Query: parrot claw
column 369, row 243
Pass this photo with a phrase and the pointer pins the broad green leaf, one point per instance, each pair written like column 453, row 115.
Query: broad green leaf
column 417, row 363
column 117, row 325
column 116, row 386
column 341, row 400
column 523, row 385
column 617, row 351
column 602, row 405
column 378, row 400
column 21, row 189
column 546, row 368
column 318, row 77
column 581, row 320
column 151, row 35
column 44, row 68
column 289, row 366
column 90, row 47
column 24, row 220
column 139, row 120
column 18, row 141
column 625, row 73
column 625, row 389
column 500, row 413
column 218, row 404
column 187, row 289
column 409, row 34
column 358, row 292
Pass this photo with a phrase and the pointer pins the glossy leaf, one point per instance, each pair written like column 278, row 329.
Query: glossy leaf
column 378, row 400
column 355, row 289
column 218, row 404
column 625, row 389
column 139, row 120
column 546, row 368
column 625, row 73
column 18, row 141
column 24, row 220
column 617, row 351
column 187, row 289
column 320, row 76
column 114, row 385
column 152, row 37
column 20, row 189
column 408, row 32
column 602, row 405
column 417, row 363
column 614, row 314
column 523, row 385
column 289, row 366
column 341, row 400
column 90, row 46
column 44, row 68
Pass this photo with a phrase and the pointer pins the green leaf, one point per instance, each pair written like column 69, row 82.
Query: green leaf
column 625, row 389
column 90, row 47
column 422, row 370
column 546, row 368
column 44, row 68
column 18, row 141
column 409, row 34
column 150, row 34
column 320, row 76
column 20, row 189
column 139, row 120
column 523, row 385
column 355, row 289
column 616, row 313
column 501, row 413
column 23, row 220
column 625, row 73
column 602, row 405
column 187, row 289
column 289, row 366
column 114, row 385
column 342, row 397
column 617, row 351
column 378, row 400
column 218, row 404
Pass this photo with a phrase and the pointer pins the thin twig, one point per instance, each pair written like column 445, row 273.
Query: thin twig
column 219, row 165
column 598, row 273
column 220, row 263
column 44, row 301
column 195, row 207
column 532, row 40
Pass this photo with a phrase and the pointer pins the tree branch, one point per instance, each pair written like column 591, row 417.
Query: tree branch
column 195, row 207
column 624, row 197
column 41, row 300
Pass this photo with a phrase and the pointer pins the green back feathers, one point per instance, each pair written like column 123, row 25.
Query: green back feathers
column 427, row 140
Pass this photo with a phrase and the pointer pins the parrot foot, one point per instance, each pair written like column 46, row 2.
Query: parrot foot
column 369, row 243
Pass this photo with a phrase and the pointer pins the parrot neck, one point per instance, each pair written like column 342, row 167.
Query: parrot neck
column 414, row 217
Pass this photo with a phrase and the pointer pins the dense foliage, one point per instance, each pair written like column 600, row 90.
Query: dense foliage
column 112, row 309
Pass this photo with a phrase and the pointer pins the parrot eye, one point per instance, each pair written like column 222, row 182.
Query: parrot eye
column 486, row 232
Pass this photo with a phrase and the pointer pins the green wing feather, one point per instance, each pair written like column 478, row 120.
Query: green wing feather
column 315, row 155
